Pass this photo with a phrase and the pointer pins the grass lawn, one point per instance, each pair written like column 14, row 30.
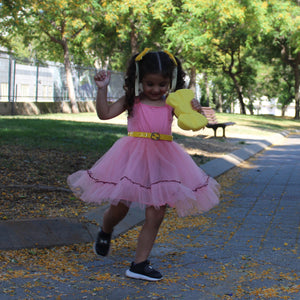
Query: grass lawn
column 59, row 134
column 85, row 132
column 259, row 124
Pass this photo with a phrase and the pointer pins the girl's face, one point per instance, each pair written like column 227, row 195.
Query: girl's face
column 155, row 86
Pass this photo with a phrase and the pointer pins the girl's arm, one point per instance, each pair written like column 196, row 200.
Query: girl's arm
column 106, row 111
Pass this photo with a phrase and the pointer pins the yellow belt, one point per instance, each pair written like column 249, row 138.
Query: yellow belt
column 151, row 135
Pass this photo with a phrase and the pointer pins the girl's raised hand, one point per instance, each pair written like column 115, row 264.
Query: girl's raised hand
column 102, row 79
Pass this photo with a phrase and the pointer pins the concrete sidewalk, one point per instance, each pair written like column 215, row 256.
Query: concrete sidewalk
column 61, row 231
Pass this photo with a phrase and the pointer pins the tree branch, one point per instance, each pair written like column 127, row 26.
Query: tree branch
column 77, row 32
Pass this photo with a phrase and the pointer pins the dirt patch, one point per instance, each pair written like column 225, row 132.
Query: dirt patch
column 37, row 178
column 204, row 149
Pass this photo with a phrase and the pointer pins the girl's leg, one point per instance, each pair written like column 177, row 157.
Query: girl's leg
column 113, row 216
column 154, row 218
column 140, row 268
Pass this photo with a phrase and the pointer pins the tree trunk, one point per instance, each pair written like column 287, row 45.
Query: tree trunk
column 283, row 110
column 70, row 84
column 220, row 100
column 133, row 39
column 297, row 85
column 294, row 63
column 192, row 83
column 240, row 95
column 250, row 106
column 207, row 88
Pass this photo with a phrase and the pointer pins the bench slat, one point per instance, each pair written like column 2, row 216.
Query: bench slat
column 213, row 123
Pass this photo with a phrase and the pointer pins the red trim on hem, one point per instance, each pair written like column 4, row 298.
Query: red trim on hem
column 144, row 186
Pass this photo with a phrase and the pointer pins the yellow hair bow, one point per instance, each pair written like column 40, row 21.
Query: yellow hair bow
column 171, row 57
column 142, row 54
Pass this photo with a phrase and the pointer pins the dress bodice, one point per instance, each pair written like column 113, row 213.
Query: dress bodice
column 148, row 118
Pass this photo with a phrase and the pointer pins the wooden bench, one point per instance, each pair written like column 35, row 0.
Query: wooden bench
column 213, row 123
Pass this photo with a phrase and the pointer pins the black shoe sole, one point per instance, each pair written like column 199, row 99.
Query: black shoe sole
column 141, row 276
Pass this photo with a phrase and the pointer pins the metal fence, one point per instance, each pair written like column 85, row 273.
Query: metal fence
column 22, row 81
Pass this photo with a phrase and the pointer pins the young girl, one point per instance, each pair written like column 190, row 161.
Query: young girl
column 146, row 168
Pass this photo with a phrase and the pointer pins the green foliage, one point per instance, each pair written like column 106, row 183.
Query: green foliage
column 133, row 25
column 44, row 26
column 284, row 18
column 283, row 38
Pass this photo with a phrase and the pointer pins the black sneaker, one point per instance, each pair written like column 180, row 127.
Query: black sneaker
column 143, row 271
column 102, row 244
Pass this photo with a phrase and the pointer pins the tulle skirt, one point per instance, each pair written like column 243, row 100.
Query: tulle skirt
column 142, row 172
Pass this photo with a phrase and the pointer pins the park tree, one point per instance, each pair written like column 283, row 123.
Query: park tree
column 274, row 81
column 186, row 39
column 286, row 91
column 283, row 37
column 220, row 35
column 134, row 25
column 52, row 28
column 224, row 92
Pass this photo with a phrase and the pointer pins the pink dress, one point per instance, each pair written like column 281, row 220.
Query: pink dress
column 145, row 172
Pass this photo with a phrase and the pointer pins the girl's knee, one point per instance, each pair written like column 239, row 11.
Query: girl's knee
column 161, row 212
column 155, row 215
column 119, row 210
